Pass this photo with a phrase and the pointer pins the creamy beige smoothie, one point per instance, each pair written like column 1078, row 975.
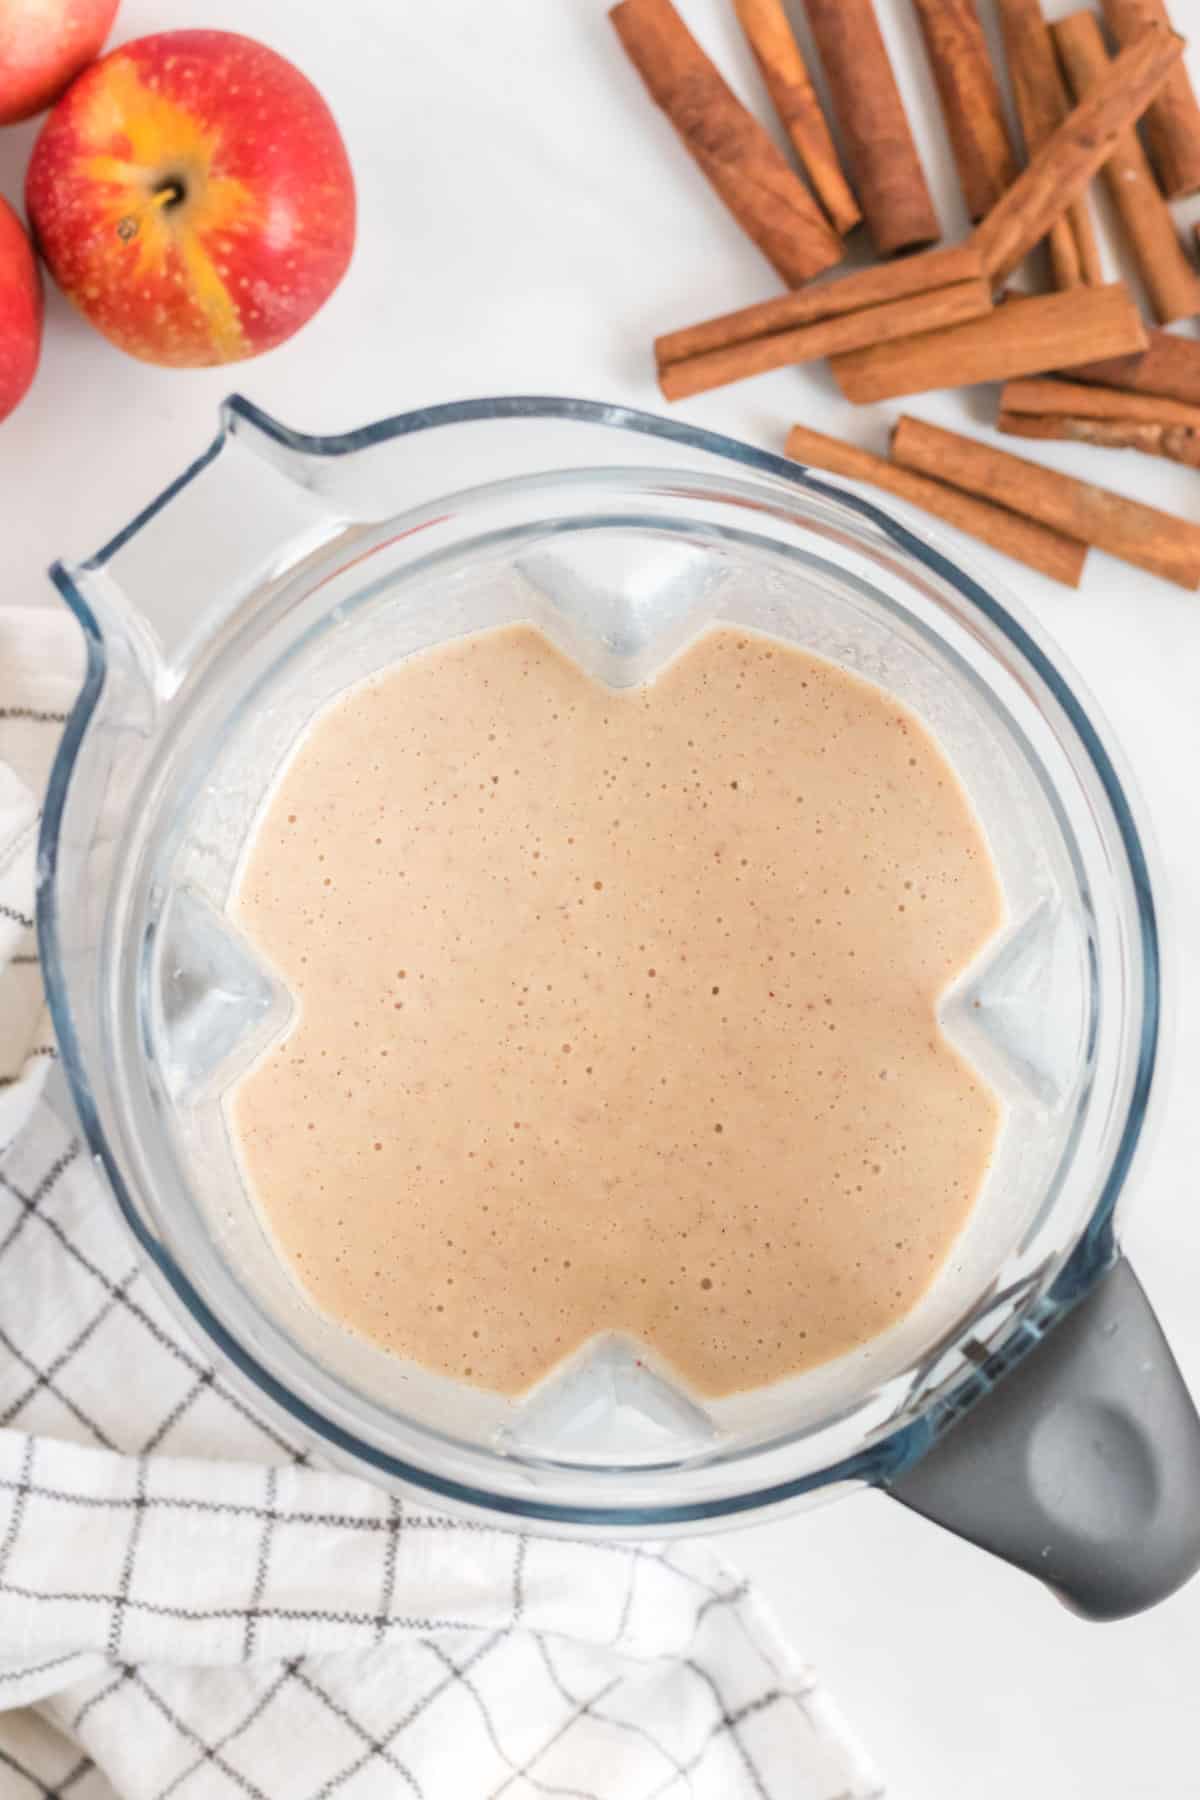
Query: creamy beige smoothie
column 616, row 1011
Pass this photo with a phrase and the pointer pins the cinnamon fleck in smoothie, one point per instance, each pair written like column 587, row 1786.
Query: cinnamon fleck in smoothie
column 616, row 1011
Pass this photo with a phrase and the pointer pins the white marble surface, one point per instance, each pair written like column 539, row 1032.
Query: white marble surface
column 527, row 223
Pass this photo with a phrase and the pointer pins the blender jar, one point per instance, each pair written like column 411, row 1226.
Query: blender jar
column 278, row 570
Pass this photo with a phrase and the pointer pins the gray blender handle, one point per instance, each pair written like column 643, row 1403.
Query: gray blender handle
column 1083, row 1464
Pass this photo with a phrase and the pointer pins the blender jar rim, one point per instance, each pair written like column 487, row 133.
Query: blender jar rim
column 1094, row 1248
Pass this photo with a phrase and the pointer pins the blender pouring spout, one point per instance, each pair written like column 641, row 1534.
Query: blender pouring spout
column 238, row 521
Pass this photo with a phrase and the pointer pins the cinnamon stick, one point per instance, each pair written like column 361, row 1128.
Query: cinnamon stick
column 794, row 98
column 1067, row 160
column 1042, row 105
column 971, row 103
column 883, row 157
column 1174, row 443
column 1138, row 534
column 1170, row 366
column 869, row 325
column 1172, row 122
column 1071, row 412
column 1046, row 551
column 767, row 198
column 876, row 286
column 1049, row 394
column 1025, row 336
column 1171, row 282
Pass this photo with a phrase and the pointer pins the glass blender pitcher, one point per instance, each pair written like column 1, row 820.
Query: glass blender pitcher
column 1029, row 1401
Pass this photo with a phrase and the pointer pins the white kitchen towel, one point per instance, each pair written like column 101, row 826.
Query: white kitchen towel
column 190, row 1608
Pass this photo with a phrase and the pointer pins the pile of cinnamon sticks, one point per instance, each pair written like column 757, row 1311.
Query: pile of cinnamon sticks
column 1044, row 519
column 1079, row 362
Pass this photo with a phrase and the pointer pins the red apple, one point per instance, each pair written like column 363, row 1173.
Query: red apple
column 20, row 310
column 192, row 195
column 43, row 46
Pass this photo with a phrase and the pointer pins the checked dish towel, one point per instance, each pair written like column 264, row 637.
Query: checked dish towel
column 190, row 1608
